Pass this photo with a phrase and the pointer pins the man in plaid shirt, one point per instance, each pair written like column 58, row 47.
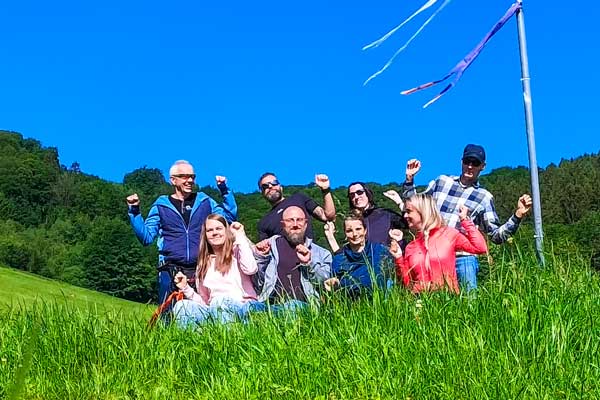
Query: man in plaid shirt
column 450, row 192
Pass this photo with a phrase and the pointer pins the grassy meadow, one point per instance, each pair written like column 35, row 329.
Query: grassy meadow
column 528, row 333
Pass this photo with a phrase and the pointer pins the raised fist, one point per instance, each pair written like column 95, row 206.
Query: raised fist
column 237, row 229
column 322, row 181
column 221, row 180
column 303, row 254
column 412, row 168
column 263, row 247
column 463, row 212
column 523, row 206
column 180, row 280
column 133, row 200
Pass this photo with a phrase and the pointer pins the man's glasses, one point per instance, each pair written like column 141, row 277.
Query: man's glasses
column 185, row 176
column 266, row 185
column 357, row 193
column 294, row 220
column 471, row 161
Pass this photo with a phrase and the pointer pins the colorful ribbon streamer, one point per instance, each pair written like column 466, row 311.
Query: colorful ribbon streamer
column 461, row 67
column 390, row 33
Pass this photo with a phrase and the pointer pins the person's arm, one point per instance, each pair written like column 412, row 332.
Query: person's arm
column 146, row 231
column 327, row 212
column 228, row 208
column 491, row 223
column 242, row 250
column 181, row 282
column 330, row 235
column 318, row 263
column 245, row 257
column 472, row 241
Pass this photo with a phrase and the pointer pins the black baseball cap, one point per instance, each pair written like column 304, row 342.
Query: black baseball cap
column 474, row 151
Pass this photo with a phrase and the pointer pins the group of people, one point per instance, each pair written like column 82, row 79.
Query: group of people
column 205, row 254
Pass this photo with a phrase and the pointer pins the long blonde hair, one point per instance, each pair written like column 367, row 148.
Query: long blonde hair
column 224, row 260
column 431, row 218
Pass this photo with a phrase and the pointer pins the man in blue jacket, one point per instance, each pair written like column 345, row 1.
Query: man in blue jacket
column 176, row 221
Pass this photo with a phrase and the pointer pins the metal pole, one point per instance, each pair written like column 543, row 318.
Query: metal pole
column 533, row 168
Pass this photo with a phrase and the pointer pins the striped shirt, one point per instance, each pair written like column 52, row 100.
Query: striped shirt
column 449, row 193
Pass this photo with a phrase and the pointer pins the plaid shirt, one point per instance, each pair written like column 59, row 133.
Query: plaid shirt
column 449, row 194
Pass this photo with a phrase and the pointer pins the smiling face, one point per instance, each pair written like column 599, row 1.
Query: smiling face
column 355, row 233
column 413, row 217
column 358, row 197
column 216, row 233
column 271, row 189
column 183, row 179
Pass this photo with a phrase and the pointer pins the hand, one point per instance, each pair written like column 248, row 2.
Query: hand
column 221, row 180
column 396, row 234
column 395, row 249
column 303, row 254
column 133, row 200
column 523, row 206
column 263, row 247
column 395, row 197
column 180, row 281
column 237, row 229
column 463, row 212
column 330, row 283
column 322, row 181
column 412, row 168
column 329, row 229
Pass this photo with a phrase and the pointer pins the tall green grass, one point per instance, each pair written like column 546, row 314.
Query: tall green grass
column 528, row 333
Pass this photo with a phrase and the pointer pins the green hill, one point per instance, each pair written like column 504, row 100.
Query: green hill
column 22, row 289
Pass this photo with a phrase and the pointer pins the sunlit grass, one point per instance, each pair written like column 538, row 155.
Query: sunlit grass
column 527, row 333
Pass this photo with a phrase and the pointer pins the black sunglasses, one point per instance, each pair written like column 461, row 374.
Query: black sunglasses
column 471, row 161
column 266, row 185
column 359, row 192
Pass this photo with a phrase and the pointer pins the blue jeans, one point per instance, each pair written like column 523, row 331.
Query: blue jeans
column 288, row 307
column 466, row 270
column 188, row 313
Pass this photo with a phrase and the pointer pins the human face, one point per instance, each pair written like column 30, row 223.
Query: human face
column 294, row 224
column 271, row 189
column 216, row 233
column 413, row 217
column 184, row 180
column 471, row 168
column 358, row 197
column 355, row 233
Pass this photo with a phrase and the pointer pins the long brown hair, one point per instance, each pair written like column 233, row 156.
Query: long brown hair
column 224, row 260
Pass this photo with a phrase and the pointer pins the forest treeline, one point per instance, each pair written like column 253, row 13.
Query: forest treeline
column 62, row 223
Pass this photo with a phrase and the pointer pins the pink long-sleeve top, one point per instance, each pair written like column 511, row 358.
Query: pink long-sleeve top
column 444, row 242
column 235, row 284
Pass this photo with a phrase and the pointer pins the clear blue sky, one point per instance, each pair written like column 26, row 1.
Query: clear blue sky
column 242, row 87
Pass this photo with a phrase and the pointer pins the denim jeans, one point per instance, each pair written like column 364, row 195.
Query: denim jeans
column 288, row 307
column 466, row 270
column 188, row 313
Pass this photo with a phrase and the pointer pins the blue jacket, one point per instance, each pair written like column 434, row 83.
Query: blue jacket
column 178, row 243
column 356, row 271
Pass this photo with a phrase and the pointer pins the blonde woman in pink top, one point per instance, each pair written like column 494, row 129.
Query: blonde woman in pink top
column 429, row 260
column 223, row 277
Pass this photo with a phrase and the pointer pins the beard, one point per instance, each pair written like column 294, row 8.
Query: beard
column 295, row 238
column 274, row 196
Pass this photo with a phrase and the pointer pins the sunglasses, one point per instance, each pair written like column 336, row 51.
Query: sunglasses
column 266, row 185
column 357, row 193
column 185, row 176
column 471, row 161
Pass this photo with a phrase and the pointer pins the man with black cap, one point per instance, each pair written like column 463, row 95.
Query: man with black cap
column 450, row 192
